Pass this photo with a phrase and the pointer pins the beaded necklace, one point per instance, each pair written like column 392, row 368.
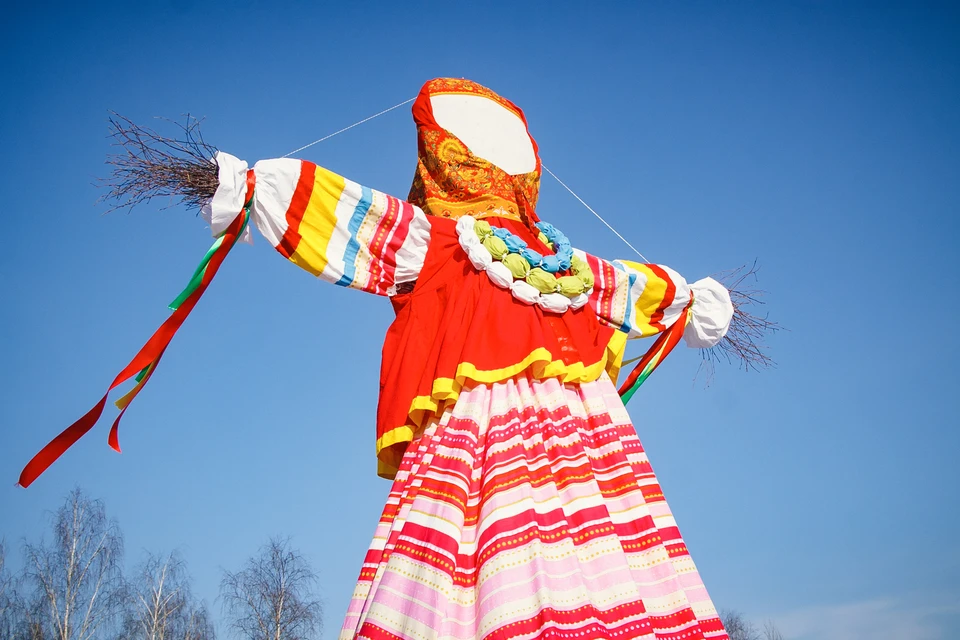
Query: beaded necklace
column 530, row 276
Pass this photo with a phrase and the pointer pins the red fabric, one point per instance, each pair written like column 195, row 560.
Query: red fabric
column 114, row 438
column 455, row 315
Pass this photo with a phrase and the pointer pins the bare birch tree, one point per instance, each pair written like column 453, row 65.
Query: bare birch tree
column 272, row 597
column 28, row 620
column 197, row 624
column 739, row 628
column 770, row 631
column 6, row 596
column 76, row 580
column 160, row 604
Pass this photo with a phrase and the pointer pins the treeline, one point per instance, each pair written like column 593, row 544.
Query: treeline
column 74, row 587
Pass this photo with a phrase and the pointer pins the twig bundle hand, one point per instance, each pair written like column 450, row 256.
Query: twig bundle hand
column 744, row 341
column 148, row 165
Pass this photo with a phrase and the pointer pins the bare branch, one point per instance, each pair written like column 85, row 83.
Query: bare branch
column 744, row 342
column 147, row 165
column 770, row 631
column 738, row 627
column 7, row 596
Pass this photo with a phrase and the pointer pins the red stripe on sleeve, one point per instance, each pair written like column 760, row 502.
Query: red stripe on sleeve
column 609, row 289
column 389, row 260
column 377, row 242
column 298, row 206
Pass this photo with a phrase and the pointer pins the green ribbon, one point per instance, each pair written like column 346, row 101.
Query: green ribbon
column 197, row 277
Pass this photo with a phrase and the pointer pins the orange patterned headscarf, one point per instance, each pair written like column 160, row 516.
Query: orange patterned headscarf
column 451, row 181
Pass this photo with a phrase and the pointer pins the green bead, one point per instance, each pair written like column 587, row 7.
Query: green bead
column 496, row 246
column 542, row 281
column 517, row 264
column 570, row 286
column 542, row 237
column 587, row 277
column 482, row 229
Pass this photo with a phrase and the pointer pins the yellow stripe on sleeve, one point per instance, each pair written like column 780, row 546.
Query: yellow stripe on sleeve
column 319, row 222
column 648, row 301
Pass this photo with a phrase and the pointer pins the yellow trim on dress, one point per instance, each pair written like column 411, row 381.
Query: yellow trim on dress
column 446, row 390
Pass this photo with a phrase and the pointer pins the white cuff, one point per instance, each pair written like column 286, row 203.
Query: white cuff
column 710, row 315
column 228, row 200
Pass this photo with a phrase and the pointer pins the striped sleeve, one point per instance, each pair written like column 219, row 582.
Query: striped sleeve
column 639, row 299
column 336, row 229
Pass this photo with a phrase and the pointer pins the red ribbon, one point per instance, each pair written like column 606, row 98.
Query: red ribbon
column 149, row 355
column 664, row 344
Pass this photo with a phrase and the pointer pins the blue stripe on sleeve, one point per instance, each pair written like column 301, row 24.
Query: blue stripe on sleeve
column 353, row 244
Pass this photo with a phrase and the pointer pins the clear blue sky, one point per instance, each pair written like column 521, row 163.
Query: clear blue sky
column 821, row 138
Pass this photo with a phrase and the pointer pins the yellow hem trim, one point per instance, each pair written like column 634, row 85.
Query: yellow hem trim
column 448, row 389
column 395, row 436
column 400, row 435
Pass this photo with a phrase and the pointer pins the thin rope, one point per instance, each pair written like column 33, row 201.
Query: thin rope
column 562, row 183
column 355, row 124
column 590, row 209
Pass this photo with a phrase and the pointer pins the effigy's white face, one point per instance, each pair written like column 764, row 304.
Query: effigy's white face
column 489, row 130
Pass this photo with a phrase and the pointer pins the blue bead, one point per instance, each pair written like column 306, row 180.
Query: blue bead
column 531, row 256
column 548, row 229
column 501, row 233
column 514, row 243
column 550, row 264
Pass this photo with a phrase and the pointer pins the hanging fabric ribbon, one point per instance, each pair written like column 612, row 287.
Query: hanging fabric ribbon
column 655, row 355
column 145, row 362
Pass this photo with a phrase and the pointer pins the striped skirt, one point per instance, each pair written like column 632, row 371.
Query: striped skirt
column 529, row 510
